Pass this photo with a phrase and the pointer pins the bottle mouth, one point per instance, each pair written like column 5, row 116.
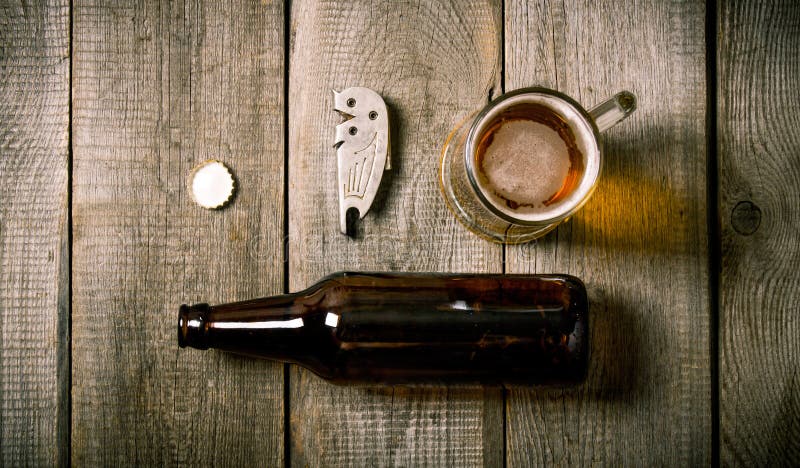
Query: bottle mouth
column 192, row 326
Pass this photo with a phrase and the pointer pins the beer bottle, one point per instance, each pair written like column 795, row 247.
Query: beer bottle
column 403, row 328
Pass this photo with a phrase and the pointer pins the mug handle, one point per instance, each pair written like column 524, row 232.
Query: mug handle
column 613, row 111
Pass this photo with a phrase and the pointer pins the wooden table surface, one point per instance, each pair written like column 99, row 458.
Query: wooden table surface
column 689, row 247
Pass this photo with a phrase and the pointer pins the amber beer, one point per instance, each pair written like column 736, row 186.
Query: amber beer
column 527, row 159
column 394, row 328
column 526, row 162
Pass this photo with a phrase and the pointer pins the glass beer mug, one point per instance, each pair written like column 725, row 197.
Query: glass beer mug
column 531, row 158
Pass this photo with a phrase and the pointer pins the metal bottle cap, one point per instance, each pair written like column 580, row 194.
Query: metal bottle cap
column 211, row 184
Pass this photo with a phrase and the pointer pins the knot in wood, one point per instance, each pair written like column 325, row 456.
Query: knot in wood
column 746, row 218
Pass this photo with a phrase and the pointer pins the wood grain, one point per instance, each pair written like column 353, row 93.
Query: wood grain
column 158, row 88
column 433, row 63
column 759, row 208
column 34, row 253
column 640, row 244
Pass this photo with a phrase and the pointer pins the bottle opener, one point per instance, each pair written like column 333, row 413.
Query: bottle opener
column 362, row 149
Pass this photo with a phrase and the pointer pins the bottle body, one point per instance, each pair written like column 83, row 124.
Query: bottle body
column 411, row 328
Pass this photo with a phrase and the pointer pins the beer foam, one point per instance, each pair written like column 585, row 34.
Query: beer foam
column 526, row 163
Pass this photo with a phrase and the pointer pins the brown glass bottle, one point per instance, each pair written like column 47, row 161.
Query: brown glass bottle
column 410, row 328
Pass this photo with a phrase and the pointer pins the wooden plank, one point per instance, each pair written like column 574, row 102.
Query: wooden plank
column 158, row 88
column 34, row 245
column 432, row 63
column 640, row 244
column 759, row 206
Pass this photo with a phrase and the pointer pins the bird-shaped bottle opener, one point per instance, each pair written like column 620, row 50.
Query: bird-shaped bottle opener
column 362, row 149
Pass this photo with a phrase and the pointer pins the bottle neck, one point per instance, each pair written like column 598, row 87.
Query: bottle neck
column 275, row 327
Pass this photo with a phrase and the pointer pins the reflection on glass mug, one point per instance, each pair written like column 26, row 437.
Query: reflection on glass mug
column 526, row 162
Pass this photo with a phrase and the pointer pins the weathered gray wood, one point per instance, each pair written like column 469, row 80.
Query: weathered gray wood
column 34, row 246
column 640, row 244
column 159, row 87
column 759, row 207
column 432, row 63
